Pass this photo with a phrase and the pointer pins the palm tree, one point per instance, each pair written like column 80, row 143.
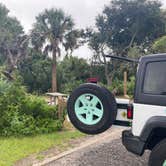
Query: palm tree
column 49, row 34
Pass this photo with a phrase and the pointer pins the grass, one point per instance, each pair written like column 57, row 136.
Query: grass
column 13, row 149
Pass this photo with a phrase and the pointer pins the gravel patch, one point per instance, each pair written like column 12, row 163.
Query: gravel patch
column 107, row 153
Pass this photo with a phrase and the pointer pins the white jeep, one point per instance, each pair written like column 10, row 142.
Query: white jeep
column 92, row 109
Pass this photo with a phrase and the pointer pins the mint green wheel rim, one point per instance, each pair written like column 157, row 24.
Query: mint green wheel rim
column 164, row 164
column 88, row 109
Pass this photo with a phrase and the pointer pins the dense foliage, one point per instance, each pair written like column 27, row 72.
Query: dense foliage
column 24, row 114
column 13, row 41
column 53, row 30
column 129, row 28
column 129, row 22
column 72, row 71
column 118, row 87
column 122, row 25
column 159, row 45
column 36, row 72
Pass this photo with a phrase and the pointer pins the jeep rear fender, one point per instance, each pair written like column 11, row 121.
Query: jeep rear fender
column 151, row 125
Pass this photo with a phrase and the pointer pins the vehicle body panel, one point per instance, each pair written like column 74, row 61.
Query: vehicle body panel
column 121, row 118
column 142, row 113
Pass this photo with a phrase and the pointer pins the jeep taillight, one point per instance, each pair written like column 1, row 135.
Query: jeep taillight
column 130, row 111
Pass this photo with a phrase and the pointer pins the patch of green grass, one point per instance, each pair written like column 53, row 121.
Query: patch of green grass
column 40, row 157
column 13, row 149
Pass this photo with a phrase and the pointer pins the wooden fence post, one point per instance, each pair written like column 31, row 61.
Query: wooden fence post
column 61, row 107
column 125, row 83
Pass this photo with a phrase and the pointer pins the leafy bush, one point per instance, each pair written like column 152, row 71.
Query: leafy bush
column 16, row 124
column 4, row 85
column 131, row 86
column 70, row 86
column 36, row 72
column 24, row 114
column 71, row 72
column 117, row 85
column 159, row 45
column 38, row 108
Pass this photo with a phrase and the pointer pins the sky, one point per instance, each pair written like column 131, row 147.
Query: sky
column 82, row 11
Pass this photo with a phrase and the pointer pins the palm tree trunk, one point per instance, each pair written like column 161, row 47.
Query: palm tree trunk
column 54, row 79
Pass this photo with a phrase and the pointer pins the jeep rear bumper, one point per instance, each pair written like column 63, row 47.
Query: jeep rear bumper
column 132, row 143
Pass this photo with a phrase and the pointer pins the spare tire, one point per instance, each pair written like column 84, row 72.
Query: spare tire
column 91, row 108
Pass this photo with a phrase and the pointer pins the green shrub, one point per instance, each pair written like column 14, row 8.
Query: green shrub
column 24, row 114
column 4, row 86
column 118, row 86
column 70, row 86
column 159, row 45
column 38, row 108
column 16, row 124
column 131, row 86
column 48, row 125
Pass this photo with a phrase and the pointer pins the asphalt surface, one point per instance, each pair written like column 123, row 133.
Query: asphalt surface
column 106, row 153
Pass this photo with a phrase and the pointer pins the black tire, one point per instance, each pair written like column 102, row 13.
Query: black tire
column 110, row 96
column 158, row 154
column 109, row 108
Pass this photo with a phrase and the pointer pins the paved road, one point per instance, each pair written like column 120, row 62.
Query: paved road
column 106, row 153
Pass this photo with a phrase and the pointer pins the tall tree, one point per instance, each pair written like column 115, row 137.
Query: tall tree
column 50, row 34
column 13, row 41
column 73, row 40
column 131, row 21
column 72, row 72
column 124, row 24
column 99, row 46
column 36, row 71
